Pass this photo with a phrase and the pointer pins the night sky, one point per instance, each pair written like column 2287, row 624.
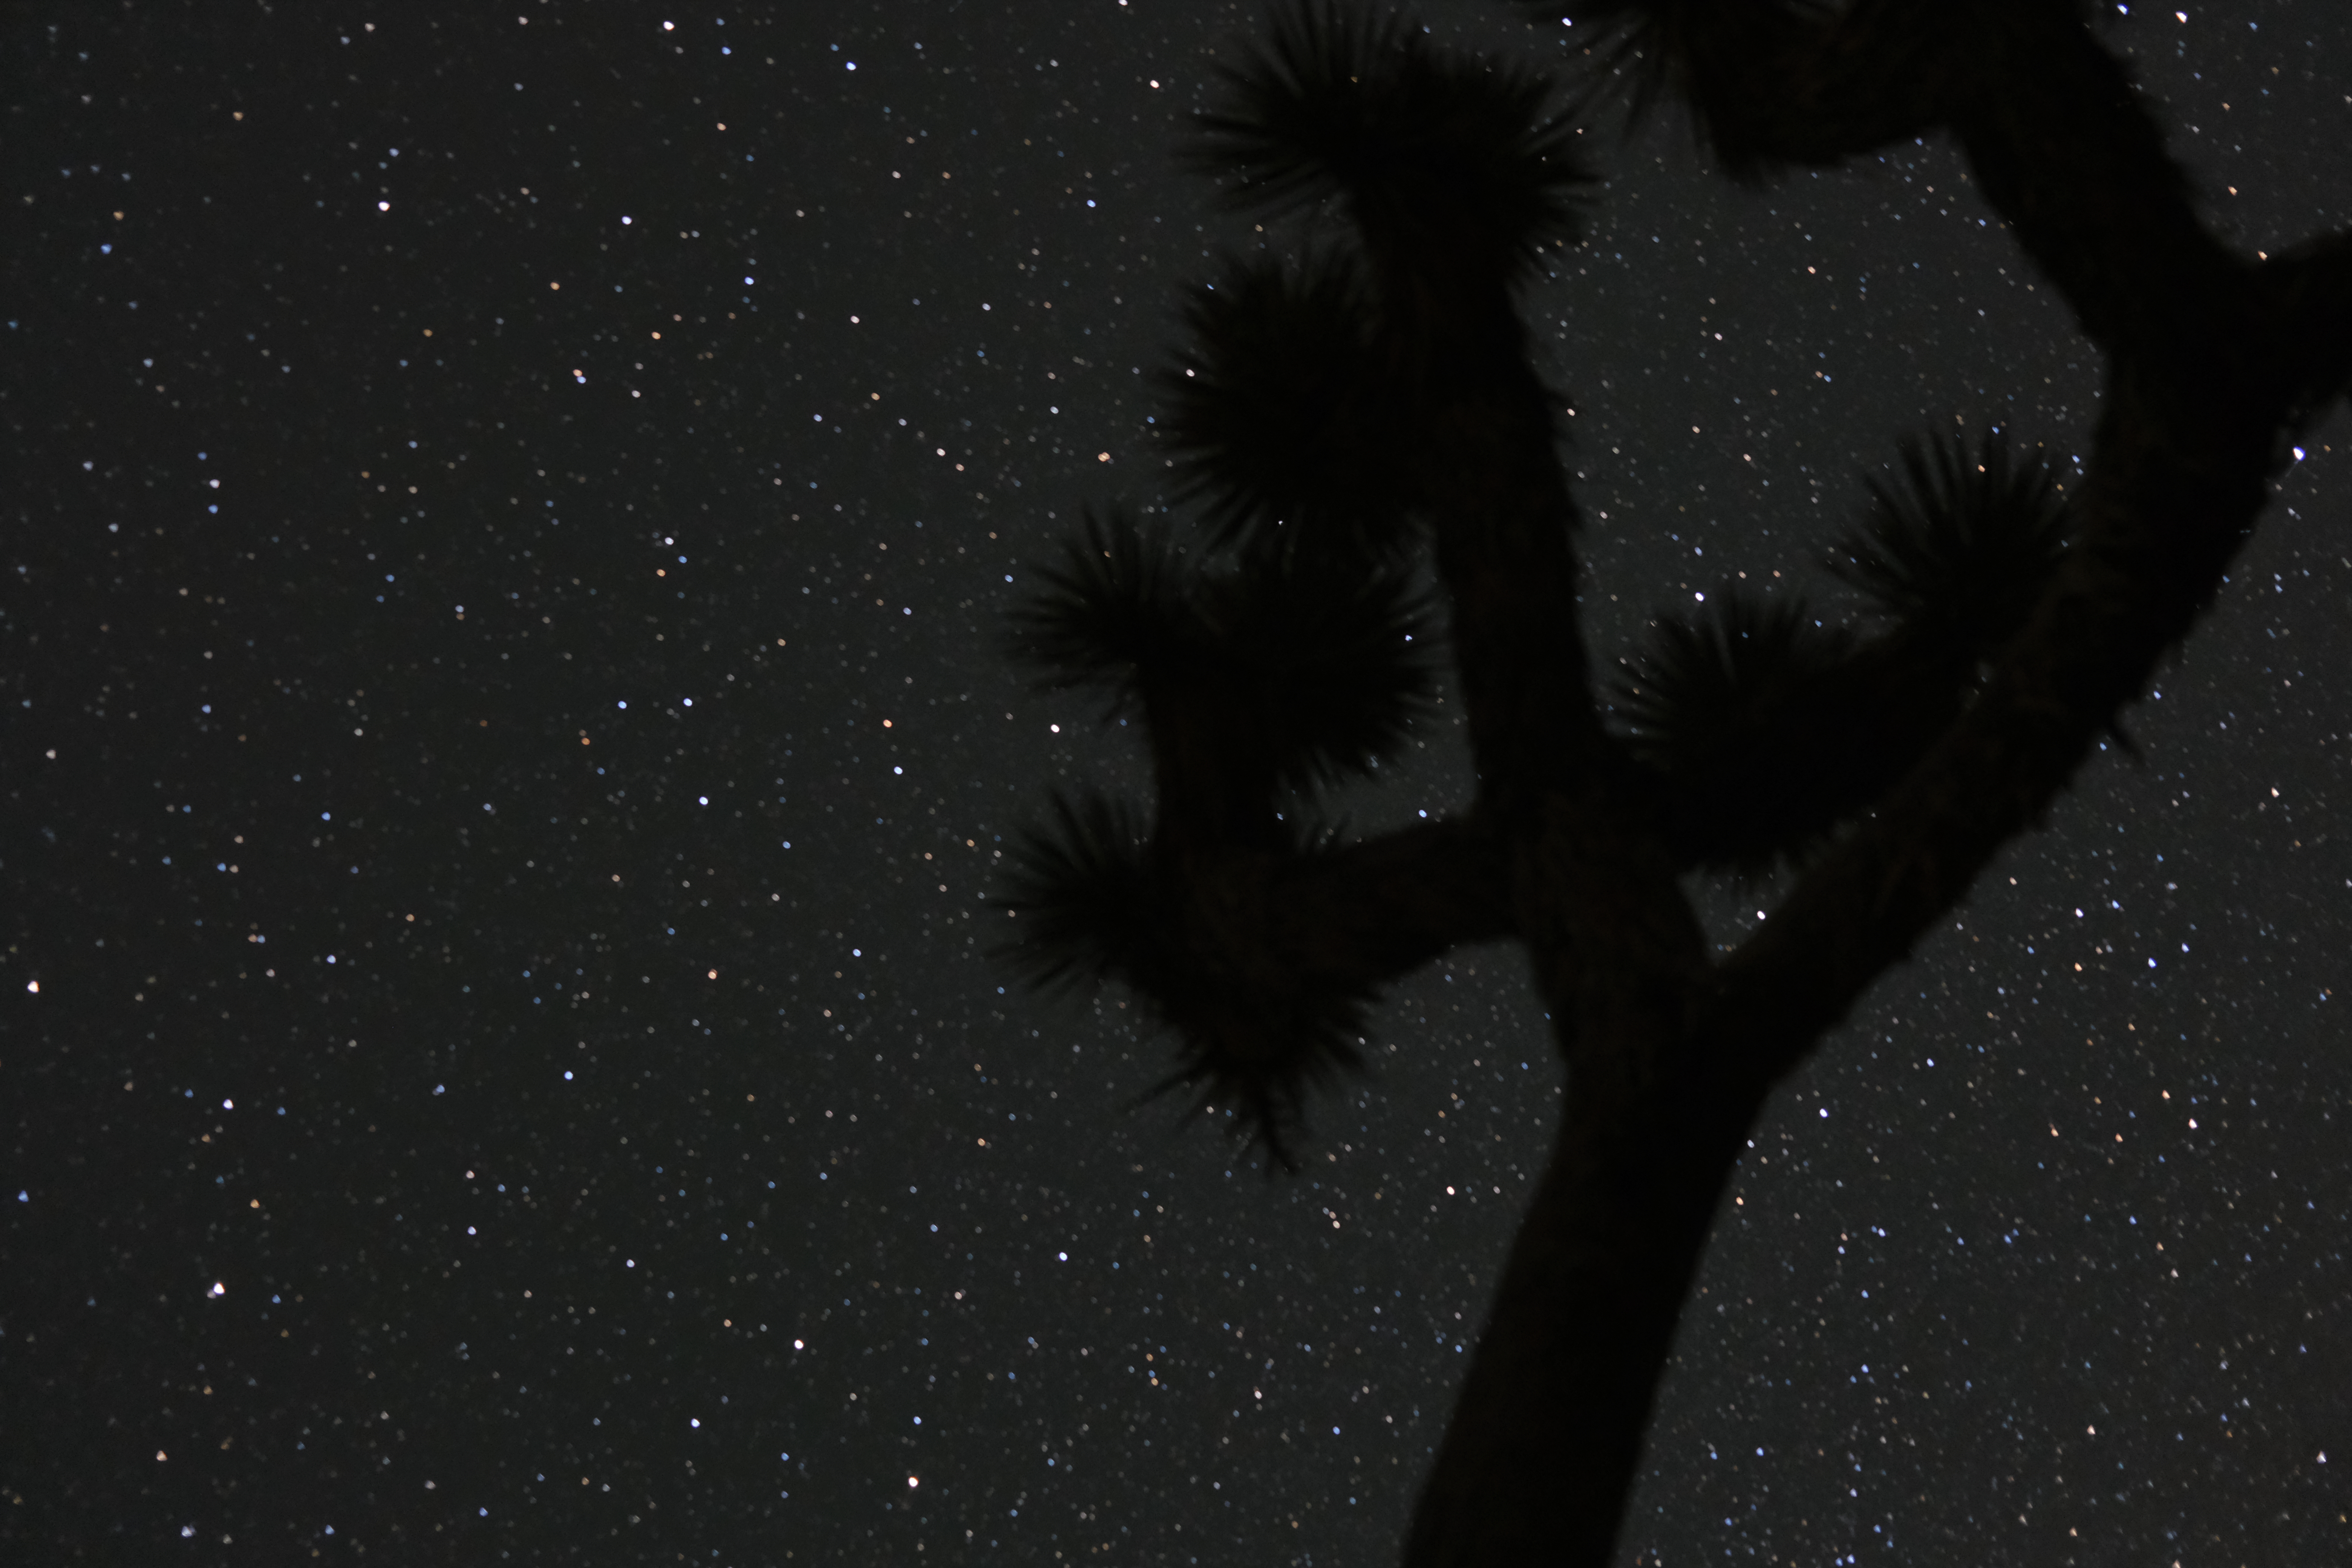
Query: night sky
column 508, row 527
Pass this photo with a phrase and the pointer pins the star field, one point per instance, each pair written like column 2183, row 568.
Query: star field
column 509, row 741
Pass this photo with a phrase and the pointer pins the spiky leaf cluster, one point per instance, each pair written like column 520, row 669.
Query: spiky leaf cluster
column 1433, row 155
column 1961, row 552
column 1117, row 603
column 1718, row 686
column 1313, row 674
column 1261, row 1053
column 1340, row 661
column 1768, row 729
column 1254, row 1035
column 1289, row 436
column 1082, row 889
column 1751, row 715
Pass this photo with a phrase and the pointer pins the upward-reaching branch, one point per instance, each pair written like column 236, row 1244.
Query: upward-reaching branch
column 1767, row 728
column 1335, row 415
column 2210, row 366
column 2201, row 390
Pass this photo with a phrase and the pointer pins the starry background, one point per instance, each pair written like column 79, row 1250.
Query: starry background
column 507, row 741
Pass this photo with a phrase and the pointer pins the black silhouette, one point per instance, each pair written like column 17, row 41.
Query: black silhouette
column 1373, row 406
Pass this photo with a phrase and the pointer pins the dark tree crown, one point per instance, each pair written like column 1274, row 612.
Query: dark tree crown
column 1965, row 548
column 1368, row 416
column 1427, row 151
column 1288, row 653
column 1287, row 425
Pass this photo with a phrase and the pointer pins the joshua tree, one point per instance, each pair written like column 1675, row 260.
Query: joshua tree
column 1370, row 410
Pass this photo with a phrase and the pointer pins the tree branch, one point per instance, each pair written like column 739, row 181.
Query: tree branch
column 2210, row 362
column 1372, row 911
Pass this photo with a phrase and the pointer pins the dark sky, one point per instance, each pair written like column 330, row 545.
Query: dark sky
column 508, row 522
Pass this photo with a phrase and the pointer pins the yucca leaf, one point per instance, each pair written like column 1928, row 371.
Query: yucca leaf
column 1295, row 112
column 1752, row 717
column 1256, row 1031
column 1275, row 670
column 1253, row 1034
column 1286, row 432
column 1434, row 155
column 1767, row 729
column 1081, row 889
column 1961, row 552
column 1339, row 664
column 1714, row 687
column 1263, row 1067
column 1119, row 601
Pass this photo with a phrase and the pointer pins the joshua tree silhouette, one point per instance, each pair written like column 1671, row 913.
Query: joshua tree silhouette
column 1369, row 409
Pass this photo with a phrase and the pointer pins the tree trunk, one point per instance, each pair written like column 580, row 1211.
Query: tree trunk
column 1544, row 1444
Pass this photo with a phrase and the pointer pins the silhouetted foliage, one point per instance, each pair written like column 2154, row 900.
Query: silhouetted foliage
column 1084, row 886
column 1314, row 674
column 1422, row 151
column 1964, row 554
column 1286, row 425
column 1370, row 411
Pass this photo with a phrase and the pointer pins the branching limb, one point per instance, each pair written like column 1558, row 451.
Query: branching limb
column 1768, row 729
column 2206, row 371
column 2213, row 364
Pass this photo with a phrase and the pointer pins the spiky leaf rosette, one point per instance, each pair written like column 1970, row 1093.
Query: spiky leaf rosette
column 1767, row 731
column 1197, row 939
column 1081, row 888
column 1436, row 157
column 1263, row 1017
column 1254, row 1041
column 1749, row 714
column 1279, row 672
column 1117, row 609
column 1961, row 552
column 1287, row 434
column 1341, row 662
column 1722, row 676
